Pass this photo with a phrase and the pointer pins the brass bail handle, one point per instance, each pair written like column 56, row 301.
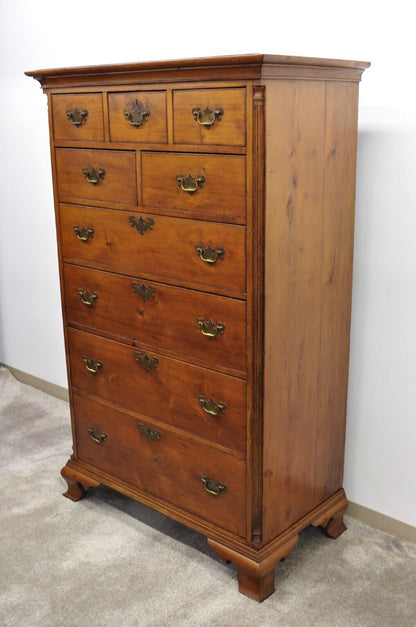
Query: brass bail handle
column 190, row 184
column 207, row 117
column 92, row 365
column 208, row 254
column 93, row 175
column 137, row 114
column 83, row 233
column 212, row 486
column 210, row 328
column 87, row 297
column 77, row 116
column 210, row 406
column 99, row 437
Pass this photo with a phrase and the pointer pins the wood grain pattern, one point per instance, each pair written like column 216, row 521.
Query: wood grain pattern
column 166, row 251
column 90, row 130
column 223, row 193
column 232, row 67
column 169, row 393
column 230, row 130
column 278, row 197
column 294, row 176
column 308, row 276
column 167, row 319
column 154, row 130
column 118, row 185
column 336, row 284
column 170, row 468
column 256, row 327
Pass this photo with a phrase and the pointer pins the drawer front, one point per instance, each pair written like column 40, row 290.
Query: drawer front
column 138, row 116
column 100, row 175
column 200, row 401
column 204, row 326
column 206, row 253
column 169, row 467
column 216, row 183
column 209, row 116
column 78, row 117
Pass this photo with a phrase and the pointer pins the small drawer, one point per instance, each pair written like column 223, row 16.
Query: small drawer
column 200, row 183
column 209, row 254
column 78, row 117
column 99, row 175
column 210, row 116
column 203, row 326
column 138, row 116
column 199, row 479
column 200, row 401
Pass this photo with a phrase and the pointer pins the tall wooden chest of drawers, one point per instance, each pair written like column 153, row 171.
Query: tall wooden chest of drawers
column 205, row 213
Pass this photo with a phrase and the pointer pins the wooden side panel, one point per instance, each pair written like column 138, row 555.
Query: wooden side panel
column 295, row 117
column 310, row 176
column 338, row 240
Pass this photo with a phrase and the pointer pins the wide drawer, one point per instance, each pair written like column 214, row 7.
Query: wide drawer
column 204, row 326
column 201, row 401
column 209, row 116
column 99, row 175
column 201, row 183
column 162, row 464
column 138, row 116
column 207, row 253
column 78, row 117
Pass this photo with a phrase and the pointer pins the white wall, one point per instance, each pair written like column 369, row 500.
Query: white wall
column 380, row 470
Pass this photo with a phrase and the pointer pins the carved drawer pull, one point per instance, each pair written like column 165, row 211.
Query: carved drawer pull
column 210, row 328
column 137, row 114
column 83, row 233
column 97, row 436
column 207, row 117
column 150, row 434
column 141, row 224
column 209, row 254
column 211, row 407
column 93, row 175
column 76, row 116
column 87, row 297
column 190, row 183
column 144, row 292
column 148, row 363
column 212, row 486
column 92, row 365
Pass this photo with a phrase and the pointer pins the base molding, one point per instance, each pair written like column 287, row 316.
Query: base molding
column 255, row 567
column 382, row 522
column 255, row 576
column 39, row 384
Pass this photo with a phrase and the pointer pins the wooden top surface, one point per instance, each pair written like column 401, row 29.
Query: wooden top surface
column 249, row 66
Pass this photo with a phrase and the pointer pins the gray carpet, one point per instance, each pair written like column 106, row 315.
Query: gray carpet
column 107, row 561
